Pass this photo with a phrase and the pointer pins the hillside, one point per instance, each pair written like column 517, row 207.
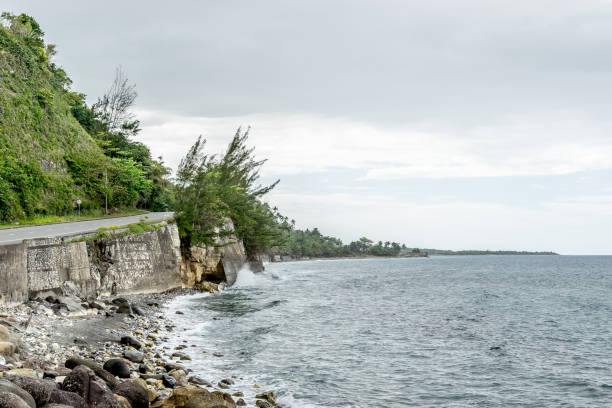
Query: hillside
column 54, row 149
column 43, row 149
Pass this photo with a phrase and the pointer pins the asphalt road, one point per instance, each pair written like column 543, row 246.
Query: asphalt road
column 16, row 235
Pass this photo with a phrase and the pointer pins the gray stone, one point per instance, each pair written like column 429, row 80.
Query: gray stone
column 134, row 356
column 134, row 393
column 117, row 367
column 9, row 387
column 131, row 341
column 39, row 389
column 108, row 378
column 94, row 391
column 10, row 400
column 66, row 398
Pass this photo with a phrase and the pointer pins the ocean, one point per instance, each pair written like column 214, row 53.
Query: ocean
column 460, row 331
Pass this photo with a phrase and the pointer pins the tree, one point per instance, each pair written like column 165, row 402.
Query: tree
column 113, row 109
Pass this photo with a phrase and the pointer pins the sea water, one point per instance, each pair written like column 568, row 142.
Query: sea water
column 488, row 331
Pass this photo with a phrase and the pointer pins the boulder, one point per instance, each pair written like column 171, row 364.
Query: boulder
column 199, row 381
column 240, row 402
column 138, row 310
column 153, row 394
column 108, row 378
column 117, row 367
column 66, row 398
column 131, row 341
column 83, row 381
column 10, row 400
column 263, row 404
column 9, row 387
column 168, row 381
column 22, row 371
column 123, row 306
column 39, row 389
column 135, row 393
column 269, row 396
column 134, row 356
column 195, row 397
column 71, row 304
column 123, row 402
column 7, row 348
column 54, row 405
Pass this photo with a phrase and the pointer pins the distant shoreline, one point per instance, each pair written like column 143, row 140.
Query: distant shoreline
column 424, row 254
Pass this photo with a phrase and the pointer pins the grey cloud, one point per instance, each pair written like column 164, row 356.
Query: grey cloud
column 383, row 61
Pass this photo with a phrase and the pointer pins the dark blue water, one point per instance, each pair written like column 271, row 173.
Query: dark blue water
column 490, row 331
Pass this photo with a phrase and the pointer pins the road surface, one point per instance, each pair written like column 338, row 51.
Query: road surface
column 16, row 235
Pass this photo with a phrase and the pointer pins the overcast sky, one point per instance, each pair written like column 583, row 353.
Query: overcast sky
column 453, row 124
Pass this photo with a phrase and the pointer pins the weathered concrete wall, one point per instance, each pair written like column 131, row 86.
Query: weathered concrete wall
column 138, row 263
column 51, row 262
column 148, row 262
column 13, row 274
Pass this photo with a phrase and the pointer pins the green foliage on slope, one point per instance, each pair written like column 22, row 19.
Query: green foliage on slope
column 54, row 149
column 39, row 136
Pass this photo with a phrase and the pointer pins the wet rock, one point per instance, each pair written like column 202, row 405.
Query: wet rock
column 195, row 397
column 123, row 306
column 173, row 366
column 71, row 304
column 240, row 402
column 123, row 402
column 136, row 394
column 168, row 381
column 39, row 389
column 66, row 398
column 138, row 310
column 263, row 404
column 117, row 367
column 153, row 395
column 269, row 396
column 131, row 341
column 108, row 378
column 83, row 381
column 143, row 369
column 54, row 405
column 178, row 312
column 94, row 305
column 199, row 381
column 182, row 356
column 10, row 400
column 134, row 356
column 9, row 387
column 180, row 376
column 22, row 371
column 50, row 374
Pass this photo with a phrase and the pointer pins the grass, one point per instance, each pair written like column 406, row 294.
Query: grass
column 55, row 219
column 139, row 227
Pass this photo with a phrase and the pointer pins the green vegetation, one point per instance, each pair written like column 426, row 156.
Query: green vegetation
column 213, row 190
column 313, row 244
column 54, row 149
column 115, row 230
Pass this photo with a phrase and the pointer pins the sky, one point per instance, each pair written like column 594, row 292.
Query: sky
column 452, row 124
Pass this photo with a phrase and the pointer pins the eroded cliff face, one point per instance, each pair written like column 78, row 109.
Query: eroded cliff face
column 137, row 263
column 213, row 264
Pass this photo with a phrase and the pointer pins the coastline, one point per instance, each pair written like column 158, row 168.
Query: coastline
column 47, row 340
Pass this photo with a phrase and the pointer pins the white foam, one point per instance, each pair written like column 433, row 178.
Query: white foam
column 246, row 277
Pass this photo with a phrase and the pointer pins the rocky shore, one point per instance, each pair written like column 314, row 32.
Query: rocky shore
column 67, row 351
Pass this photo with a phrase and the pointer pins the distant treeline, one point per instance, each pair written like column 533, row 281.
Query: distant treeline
column 485, row 252
column 313, row 244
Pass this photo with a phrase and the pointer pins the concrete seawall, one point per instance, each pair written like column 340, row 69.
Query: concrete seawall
column 135, row 263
